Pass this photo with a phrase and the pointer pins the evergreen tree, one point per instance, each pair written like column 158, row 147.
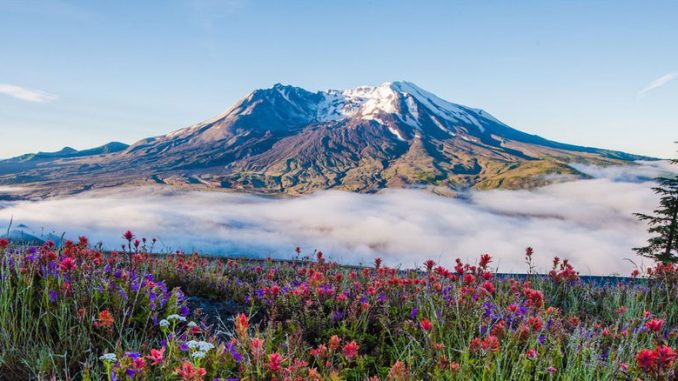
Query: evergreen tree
column 663, row 244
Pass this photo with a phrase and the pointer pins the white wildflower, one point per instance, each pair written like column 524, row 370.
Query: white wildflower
column 109, row 357
column 176, row 317
column 198, row 355
column 205, row 346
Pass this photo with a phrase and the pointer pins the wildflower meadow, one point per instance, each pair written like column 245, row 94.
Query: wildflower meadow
column 76, row 312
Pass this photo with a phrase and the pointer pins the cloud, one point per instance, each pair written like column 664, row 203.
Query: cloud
column 657, row 83
column 588, row 221
column 25, row 94
column 641, row 171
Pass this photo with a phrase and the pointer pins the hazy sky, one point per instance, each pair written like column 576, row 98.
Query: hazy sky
column 82, row 73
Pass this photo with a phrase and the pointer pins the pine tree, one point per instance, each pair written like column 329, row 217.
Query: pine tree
column 663, row 244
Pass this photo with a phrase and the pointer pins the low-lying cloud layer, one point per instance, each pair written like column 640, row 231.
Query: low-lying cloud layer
column 588, row 221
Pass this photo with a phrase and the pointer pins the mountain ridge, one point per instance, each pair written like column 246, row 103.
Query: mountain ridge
column 286, row 139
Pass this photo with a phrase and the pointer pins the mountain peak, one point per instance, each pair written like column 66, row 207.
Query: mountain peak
column 288, row 139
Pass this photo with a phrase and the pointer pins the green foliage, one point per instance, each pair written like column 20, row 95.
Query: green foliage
column 663, row 244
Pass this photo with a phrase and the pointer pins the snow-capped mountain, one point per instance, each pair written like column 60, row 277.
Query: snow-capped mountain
column 287, row 139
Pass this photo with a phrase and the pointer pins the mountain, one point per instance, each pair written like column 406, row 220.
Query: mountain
column 25, row 235
column 289, row 140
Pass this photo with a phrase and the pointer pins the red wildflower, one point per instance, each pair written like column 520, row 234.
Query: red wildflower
column 188, row 372
column 655, row 325
column 528, row 252
column 156, row 355
column 485, row 260
column 532, row 354
column 426, row 325
column 535, row 298
column 469, row 278
column 398, row 371
column 499, row 329
column 257, row 345
column 377, row 263
column 3, row 243
column 523, row 333
column 489, row 287
column 274, row 362
column 105, row 319
column 139, row 363
column 334, row 342
column 491, row 344
column 646, row 359
column 351, row 350
column 666, row 356
column 476, row 344
column 429, row 264
column 81, row 313
column 67, row 264
column 241, row 324
column 128, row 236
column 535, row 323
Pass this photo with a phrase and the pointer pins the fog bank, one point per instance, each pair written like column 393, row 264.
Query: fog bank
column 589, row 221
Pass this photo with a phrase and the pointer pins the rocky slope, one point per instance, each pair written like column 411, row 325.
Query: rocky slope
column 289, row 140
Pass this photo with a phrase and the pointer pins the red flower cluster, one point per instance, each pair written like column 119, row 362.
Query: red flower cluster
column 488, row 344
column 656, row 361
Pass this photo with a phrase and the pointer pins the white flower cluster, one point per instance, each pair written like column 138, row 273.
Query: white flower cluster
column 202, row 346
column 164, row 323
column 109, row 357
column 198, row 355
column 176, row 317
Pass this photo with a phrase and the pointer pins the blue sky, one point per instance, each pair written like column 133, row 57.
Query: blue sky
column 82, row 73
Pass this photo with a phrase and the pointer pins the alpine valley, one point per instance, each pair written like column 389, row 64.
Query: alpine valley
column 287, row 140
